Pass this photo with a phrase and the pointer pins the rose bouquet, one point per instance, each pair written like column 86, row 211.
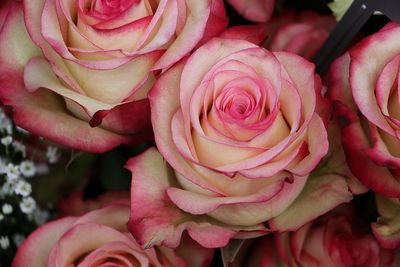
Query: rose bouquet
column 196, row 133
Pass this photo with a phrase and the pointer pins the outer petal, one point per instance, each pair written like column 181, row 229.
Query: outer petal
column 36, row 248
column 199, row 13
column 243, row 210
column 161, row 223
column 252, row 33
column 364, row 72
column 335, row 161
column 355, row 142
column 331, row 190
column 216, row 23
column 15, row 45
column 254, row 10
column 354, row 138
column 164, row 103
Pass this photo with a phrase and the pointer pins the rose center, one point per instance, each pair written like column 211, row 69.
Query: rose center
column 236, row 102
column 109, row 7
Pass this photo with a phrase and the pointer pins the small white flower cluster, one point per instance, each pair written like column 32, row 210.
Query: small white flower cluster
column 16, row 183
column 16, row 170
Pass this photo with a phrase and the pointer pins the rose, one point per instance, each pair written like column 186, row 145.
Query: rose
column 337, row 239
column 96, row 62
column 239, row 126
column 100, row 238
column 302, row 33
column 254, row 10
column 364, row 85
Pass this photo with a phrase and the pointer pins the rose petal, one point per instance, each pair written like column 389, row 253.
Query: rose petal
column 355, row 142
column 67, row 250
column 254, row 10
column 161, row 223
column 331, row 190
column 244, row 210
column 163, row 105
column 198, row 13
column 35, row 249
column 252, row 33
column 364, row 72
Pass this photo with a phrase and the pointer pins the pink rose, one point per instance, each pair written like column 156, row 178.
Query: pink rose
column 100, row 238
column 96, row 63
column 238, row 125
column 364, row 85
column 254, row 10
column 337, row 239
column 302, row 33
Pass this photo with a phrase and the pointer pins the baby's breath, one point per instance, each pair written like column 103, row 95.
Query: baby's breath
column 12, row 172
column 52, row 154
column 23, row 188
column 6, row 141
column 27, row 205
column 19, row 211
column 4, row 242
column 27, row 168
column 7, row 209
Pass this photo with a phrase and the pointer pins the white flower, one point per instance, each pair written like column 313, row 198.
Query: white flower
column 7, row 188
column 4, row 242
column 27, row 168
column 6, row 141
column 7, row 209
column 18, row 146
column 1, row 217
column 12, row 172
column 52, row 154
column 23, row 188
column 27, row 205
column 18, row 239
